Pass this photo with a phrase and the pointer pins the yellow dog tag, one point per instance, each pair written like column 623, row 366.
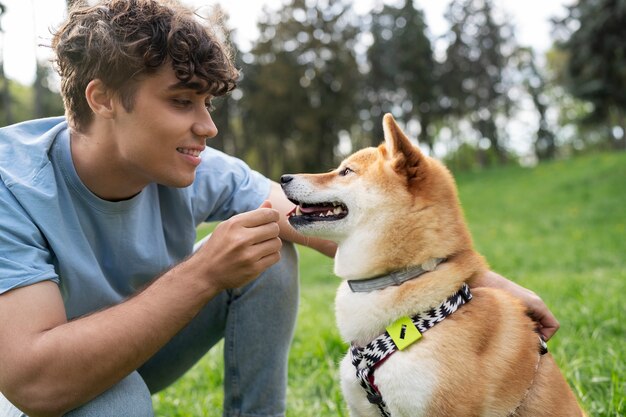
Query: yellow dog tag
column 403, row 332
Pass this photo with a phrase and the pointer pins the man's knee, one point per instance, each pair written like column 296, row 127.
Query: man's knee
column 282, row 277
column 129, row 397
column 288, row 264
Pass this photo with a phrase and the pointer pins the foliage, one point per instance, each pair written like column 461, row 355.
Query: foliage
column 557, row 229
column 571, row 114
column 317, row 80
column 46, row 103
column 299, row 84
column 463, row 158
column 536, row 84
column 402, row 74
column 21, row 103
column 473, row 73
column 594, row 33
column 225, row 113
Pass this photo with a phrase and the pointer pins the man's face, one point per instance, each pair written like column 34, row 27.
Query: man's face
column 161, row 138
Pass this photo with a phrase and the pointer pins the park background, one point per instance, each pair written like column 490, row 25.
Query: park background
column 535, row 136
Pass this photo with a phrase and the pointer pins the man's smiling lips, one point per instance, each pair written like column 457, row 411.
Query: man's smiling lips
column 191, row 154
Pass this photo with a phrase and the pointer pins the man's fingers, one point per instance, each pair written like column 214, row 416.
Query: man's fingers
column 262, row 255
column 267, row 247
column 258, row 217
column 262, row 233
column 548, row 332
column 548, row 326
column 269, row 260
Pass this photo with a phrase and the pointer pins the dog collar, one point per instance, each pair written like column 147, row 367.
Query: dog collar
column 394, row 278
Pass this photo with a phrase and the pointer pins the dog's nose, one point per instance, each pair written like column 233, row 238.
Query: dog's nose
column 286, row 179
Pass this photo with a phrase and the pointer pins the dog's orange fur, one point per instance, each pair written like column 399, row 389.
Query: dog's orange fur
column 486, row 355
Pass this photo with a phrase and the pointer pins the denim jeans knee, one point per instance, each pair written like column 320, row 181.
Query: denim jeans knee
column 259, row 330
column 129, row 397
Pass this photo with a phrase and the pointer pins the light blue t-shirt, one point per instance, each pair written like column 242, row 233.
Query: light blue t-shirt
column 100, row 252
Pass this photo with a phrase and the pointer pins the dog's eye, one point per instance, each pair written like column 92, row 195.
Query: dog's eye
column 345, row 171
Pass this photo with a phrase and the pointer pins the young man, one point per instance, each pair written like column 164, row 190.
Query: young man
column 103, row 300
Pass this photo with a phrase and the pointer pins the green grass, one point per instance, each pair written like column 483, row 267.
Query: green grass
column 558, row 229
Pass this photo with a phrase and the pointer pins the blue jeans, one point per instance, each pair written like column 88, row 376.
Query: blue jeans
column 256, row 323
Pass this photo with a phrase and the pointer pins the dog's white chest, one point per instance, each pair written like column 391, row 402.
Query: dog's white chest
column 360, row 316
column 406, row 382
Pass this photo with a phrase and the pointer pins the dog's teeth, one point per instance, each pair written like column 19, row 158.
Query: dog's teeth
column 329, row 213
column 298, row 211
column 337, row 210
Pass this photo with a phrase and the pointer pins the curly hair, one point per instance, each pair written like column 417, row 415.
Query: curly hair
column 121, row 41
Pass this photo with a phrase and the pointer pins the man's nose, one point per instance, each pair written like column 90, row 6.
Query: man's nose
column 205, row 127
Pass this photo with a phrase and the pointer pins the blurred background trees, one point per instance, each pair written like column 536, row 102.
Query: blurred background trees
column 5, row 100
column 593, row 37
column 474, row 75
column 319, row 77
column 402, row 75
column 299, row 85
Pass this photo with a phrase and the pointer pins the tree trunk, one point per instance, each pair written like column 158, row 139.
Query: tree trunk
column 6, row 97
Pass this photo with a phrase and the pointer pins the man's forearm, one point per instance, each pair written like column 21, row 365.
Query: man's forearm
column 73, row 362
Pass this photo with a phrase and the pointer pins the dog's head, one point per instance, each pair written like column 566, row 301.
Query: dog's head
column 393, row 194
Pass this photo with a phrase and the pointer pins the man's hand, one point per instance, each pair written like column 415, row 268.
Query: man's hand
column 547, row 324
column 288, row 233
column 241, row 248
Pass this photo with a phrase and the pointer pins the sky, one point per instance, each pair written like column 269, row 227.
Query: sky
column 27, row 25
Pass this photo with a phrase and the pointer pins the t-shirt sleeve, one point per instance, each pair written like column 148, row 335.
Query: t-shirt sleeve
column 24, row 256
column 226, row 186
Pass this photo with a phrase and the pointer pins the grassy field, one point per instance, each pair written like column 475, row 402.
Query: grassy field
column 558, row 229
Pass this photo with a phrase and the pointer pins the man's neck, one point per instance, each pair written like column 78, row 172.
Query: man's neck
column 96, row 167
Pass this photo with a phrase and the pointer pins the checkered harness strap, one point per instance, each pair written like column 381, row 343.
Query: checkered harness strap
column 367, row 359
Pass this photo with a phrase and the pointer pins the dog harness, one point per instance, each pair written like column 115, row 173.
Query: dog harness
column 400, row 334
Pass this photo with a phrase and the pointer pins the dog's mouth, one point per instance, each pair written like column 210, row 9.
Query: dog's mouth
column 310, row 212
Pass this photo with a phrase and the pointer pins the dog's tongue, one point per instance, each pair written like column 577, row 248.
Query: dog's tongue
column 315, row 209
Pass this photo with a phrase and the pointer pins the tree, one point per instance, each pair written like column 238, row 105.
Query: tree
column 536, row 85
column 593, row 36
column 473, row 75
column 225, row 115
column 46, row 103
column 5, row 102
column 401, row 76
column 299, row 85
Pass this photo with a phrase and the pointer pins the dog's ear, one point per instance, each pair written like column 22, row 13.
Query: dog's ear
column 404, row 156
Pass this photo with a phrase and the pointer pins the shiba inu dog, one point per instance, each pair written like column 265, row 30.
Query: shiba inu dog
column 422, row 343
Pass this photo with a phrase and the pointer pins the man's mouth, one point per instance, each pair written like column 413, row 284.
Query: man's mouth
column 326, row 211
column 188, row 151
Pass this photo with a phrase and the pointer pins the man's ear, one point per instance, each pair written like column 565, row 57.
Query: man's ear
column 100, row 99
column 406, row 157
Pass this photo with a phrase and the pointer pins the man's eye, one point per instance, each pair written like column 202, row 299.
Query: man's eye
column 345, row 171
column 181, row 102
